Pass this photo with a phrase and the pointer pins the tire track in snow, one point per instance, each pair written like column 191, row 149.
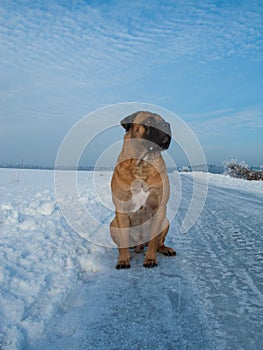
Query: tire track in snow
column 223, row 264
column 132, row 309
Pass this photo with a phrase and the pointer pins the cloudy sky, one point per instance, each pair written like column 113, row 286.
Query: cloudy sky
column 61, row 60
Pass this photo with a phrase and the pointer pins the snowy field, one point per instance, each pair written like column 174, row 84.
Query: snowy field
column 60, row 291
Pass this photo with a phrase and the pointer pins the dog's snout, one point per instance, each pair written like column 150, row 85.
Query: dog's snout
column 159, row 134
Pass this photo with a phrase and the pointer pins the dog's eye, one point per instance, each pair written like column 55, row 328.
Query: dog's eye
column 149, row 122
column 164, row 125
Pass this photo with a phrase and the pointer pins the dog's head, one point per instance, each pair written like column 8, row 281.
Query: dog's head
column 151, row 129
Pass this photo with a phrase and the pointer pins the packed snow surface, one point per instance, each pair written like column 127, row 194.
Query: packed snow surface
column 59, row 290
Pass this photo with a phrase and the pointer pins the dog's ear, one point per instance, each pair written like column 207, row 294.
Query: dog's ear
column 127, row 122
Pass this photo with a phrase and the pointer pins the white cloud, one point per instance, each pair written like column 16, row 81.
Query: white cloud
column 89, row 38
column 226, row 122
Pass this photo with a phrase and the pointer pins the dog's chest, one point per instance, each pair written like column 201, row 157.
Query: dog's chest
column 138, row 200
column 140, row 193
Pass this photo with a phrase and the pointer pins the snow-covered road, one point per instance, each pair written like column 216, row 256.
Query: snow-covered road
column 59, row 291
column 224, row 260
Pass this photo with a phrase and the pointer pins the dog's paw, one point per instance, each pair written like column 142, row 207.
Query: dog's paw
column 149, row 263
column 166, row 251
column 123, row 264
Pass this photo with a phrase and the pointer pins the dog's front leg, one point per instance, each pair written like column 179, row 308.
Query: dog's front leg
column 150, row 258
column 156, row 227
column 123, row 223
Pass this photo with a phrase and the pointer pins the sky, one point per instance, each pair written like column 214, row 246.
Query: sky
column 61, row 60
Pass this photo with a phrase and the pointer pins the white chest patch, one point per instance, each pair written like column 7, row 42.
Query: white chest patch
column 139, row 194
column 139, row 199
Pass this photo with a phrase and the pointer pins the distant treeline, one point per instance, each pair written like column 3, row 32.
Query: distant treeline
column 48, row 167
column 214, row 169
column 217, row 169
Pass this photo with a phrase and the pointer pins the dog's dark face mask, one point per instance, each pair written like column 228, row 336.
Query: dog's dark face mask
column 158, row 133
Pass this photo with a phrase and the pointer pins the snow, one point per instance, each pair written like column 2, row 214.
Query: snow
column 226, row 181
column 59, row 290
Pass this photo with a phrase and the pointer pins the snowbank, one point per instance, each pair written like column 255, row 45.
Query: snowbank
column 40, row 255
column 226, row 181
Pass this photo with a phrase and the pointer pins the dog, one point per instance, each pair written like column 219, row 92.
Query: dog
column 140, row 189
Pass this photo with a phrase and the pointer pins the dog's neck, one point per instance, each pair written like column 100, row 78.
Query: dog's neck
column 134, row 148
column 136, row 157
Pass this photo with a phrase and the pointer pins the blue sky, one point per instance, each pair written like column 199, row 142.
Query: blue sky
column 202, row 60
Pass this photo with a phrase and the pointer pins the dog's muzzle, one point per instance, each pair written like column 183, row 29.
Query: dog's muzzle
column 159, row 135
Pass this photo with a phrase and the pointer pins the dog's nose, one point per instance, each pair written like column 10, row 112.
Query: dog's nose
column 165, row 139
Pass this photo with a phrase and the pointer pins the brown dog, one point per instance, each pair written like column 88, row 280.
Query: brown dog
column 140, row 189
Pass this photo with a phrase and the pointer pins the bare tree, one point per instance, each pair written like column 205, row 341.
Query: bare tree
column 240, row 170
